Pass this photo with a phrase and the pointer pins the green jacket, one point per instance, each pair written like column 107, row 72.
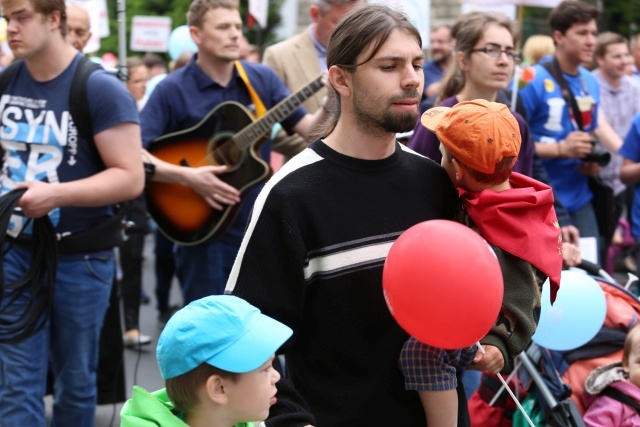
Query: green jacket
column 146, row 409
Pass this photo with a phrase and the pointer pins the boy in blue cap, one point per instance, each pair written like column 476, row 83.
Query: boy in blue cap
column 215, row 355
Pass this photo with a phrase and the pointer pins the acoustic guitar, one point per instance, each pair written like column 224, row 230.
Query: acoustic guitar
column 229, row 136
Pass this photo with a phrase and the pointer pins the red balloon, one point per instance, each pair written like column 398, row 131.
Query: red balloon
column 109, row 60
column 443, row 284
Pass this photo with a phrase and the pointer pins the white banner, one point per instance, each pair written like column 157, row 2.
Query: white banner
column 506, row 10
column 150, row 33
column 103, row 18
column 419, row 13
column 259, row 9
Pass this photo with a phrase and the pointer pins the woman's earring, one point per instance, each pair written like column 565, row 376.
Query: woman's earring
column 457, row 177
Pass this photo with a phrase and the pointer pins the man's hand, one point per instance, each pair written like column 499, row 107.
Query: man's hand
column 202, row 180
column 215, row 191
column 491, row 361
column 38, row 200
column 571, row 255
column 577, row 145
column 589, row 168
column 570, row 234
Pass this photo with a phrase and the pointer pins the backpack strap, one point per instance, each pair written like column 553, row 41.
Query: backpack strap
column 5, row 78
column 107, row 234
column 7, row 74
column 621, row 397
column 79, row 103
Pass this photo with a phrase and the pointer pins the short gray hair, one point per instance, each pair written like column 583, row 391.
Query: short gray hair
column 324, row 5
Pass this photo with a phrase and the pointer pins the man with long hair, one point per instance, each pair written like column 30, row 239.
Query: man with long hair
column 320, row 230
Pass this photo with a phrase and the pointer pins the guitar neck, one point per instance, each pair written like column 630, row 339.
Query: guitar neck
column 252, row 133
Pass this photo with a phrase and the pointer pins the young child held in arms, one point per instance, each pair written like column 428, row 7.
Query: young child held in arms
column 215, row 356
column 480, row 141
column 612, row 392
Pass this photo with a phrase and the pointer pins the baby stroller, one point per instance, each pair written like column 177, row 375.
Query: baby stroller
column 621, row 254
column 550, row 383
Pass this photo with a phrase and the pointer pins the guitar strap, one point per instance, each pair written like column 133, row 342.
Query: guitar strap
column 260, row 108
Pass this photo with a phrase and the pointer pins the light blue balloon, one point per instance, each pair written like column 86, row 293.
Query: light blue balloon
column 179, row 41
column 575, row 317
column 96, row 59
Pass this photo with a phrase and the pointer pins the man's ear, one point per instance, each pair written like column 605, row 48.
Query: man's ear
column 54, row 19
column 599, row 60
column 195, row 34
column 341, row 80
column 215, row 390
column 557, row 37
column 314, row 12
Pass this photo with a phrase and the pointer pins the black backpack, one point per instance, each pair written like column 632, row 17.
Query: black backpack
column 78, row 104
column 110, row 232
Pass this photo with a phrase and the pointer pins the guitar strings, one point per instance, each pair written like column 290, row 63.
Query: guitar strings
column 247, row 133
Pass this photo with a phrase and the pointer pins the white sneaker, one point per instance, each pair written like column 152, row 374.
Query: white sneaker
column 141, row 339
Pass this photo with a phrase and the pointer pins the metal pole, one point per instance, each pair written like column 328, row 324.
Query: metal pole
column 537, row 379
column 520, row 17
column 121, row 14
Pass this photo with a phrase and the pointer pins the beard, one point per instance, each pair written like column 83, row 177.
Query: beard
column 370, row 117
column 442, row 57
column 399, row 122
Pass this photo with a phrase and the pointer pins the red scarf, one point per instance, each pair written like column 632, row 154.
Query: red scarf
column 521, row 221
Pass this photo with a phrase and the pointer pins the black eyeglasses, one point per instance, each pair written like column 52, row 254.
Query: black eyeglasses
column 494, row 51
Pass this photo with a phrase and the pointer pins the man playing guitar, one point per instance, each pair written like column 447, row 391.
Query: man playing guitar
column 180, row 102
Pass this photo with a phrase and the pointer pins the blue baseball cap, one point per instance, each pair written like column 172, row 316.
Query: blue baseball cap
column 222, row 330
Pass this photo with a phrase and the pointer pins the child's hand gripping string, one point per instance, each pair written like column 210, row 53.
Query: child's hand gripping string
column 488, row 358
column 485, row 354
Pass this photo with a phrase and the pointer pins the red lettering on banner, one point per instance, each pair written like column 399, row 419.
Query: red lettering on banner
column 160, row 24
column 149, row 43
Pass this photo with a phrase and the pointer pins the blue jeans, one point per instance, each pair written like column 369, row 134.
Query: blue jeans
column 585, row 220
column 68, row 344
column 204, row 269
column 165, row 269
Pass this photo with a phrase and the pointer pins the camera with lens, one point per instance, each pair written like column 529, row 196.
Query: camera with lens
column 598, row 154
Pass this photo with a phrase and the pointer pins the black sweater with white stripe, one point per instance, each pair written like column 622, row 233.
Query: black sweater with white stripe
column 312, row 258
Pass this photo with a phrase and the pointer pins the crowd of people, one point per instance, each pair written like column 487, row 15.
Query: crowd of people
column 301, row 253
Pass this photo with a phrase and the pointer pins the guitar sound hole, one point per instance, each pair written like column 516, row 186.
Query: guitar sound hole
column 227, row 154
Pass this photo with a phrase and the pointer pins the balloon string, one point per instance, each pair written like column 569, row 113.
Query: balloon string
column 513, row 396
column 509, row 378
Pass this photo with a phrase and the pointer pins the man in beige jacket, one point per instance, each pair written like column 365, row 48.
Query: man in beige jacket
column 301, row 58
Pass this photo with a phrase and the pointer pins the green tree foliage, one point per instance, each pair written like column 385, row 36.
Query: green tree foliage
column 177, row 11
column 619, row 16
column 263, row 37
